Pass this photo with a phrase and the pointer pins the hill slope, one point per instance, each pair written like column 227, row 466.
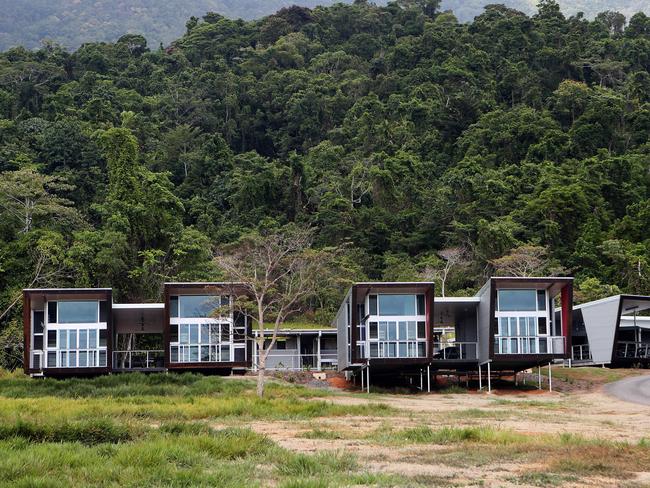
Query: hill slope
column 73, row 22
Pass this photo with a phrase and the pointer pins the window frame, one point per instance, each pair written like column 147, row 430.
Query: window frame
column 384, row 338
column 525, row 343
column 51, row 349
column 181, row 352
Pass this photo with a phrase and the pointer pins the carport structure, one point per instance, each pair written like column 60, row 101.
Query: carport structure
column 612, row 331
column 138, row 336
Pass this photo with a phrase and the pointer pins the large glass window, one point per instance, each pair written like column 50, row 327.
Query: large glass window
column 78, row 312
column 201, row 343
column 397, row 305
column 522, row 322
column 517, row 301
column 195, row 306
column 76, row 348
column 392, row 339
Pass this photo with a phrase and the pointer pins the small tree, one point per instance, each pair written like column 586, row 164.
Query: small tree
column 440, row 269
column 526, row 261
column 273, row 274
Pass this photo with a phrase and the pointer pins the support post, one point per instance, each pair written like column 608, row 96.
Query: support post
column 421, row 381
column 301, row 360
column 550, row 378
column 368, row 378
column 428, row 378
column 255, row 351
column 516, row 380
column 489, row 374
column 318, row 364
column 539, row 377
column 480, row 378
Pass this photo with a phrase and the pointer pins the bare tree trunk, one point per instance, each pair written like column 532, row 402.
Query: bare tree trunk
column 261, row 373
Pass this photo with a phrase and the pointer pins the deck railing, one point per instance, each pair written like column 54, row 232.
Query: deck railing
column 138, row 360
column 529, row 345
column 455, row 351
column 632, row 350
column 581, row 352
column 299, row 362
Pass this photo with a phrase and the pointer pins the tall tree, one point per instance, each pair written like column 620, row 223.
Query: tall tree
column 275, row 274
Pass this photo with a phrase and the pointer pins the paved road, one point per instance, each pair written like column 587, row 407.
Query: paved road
column 635, row 390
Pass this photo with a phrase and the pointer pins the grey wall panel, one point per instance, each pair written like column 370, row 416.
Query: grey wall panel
column 341, row 322
column 600, row 323
column 484, row 324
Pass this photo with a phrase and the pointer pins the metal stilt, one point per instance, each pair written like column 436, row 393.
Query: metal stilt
column 368, row 378
column 489, row 374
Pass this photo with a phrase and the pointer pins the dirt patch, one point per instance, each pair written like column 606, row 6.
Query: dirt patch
column 530, row 413
column 341, row 383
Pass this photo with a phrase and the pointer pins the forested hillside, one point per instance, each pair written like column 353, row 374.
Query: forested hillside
column 72, row 22
column 424, row 147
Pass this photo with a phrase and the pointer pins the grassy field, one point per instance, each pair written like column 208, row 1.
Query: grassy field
column 193, row 430
column 137, row 430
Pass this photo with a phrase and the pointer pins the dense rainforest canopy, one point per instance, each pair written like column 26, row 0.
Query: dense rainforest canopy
column 424, row 147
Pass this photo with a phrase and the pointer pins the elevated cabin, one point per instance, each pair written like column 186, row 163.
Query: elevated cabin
column 612, row 331
column 67, row 331
column 202, row 329
column 518, row 326
column 386, row 325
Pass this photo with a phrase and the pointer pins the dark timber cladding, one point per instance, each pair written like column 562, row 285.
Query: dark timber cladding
column 38, row 297
column 556, row 286
column 216, row 288
column 621, row 312
column 361, row 290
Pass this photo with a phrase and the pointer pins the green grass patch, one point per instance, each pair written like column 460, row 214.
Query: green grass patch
column 320, row 464
column 592, row 374
column 478, row 413
column 140, row 384
column 177, row 456
column 89, row 432
column 155, row 430
column 322, row 434
column 541, row 404
column 165, row 397
column 449, row 435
